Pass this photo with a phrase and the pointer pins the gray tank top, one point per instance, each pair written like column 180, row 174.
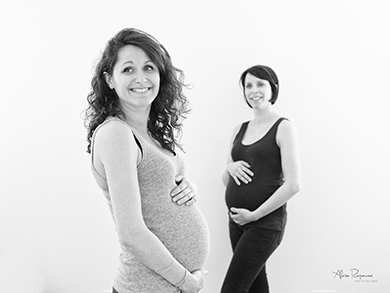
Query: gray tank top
column 182, row 229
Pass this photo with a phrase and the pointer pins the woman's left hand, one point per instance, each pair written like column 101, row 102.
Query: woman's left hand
column 184, row 192
column 242, row 216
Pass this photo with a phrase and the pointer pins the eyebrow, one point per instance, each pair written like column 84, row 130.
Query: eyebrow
column 257, row 81
column 131, row 62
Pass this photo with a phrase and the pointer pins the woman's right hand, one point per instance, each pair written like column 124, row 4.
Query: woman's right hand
column 194, row 282
column 240, row 171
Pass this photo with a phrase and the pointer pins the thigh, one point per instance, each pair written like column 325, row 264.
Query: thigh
column 260, row 284
column 250, row 254
column 235, row 233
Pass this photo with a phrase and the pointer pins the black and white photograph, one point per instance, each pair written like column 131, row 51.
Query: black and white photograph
column 195, row 146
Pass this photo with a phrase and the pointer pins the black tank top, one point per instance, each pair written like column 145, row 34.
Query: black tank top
column 265, row 161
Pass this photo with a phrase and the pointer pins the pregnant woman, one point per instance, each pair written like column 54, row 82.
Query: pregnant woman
column 261, row 175
column 135, row 109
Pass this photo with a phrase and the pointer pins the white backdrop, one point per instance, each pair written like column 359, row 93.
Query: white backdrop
column 332, row 58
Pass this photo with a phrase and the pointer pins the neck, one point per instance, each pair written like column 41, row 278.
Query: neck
column 263, row 115
column 138, row 119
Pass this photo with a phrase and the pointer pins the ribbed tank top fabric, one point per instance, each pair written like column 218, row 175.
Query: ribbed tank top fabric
column 265, row 160
column 182, row 229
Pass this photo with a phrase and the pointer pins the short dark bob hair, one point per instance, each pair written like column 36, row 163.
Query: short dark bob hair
column 262, row 72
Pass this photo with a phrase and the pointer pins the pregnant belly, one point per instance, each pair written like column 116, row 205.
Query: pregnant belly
column 249, row 196
column 184, row 232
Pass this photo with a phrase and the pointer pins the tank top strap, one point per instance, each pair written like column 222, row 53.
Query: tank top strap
column 274, row 127
column 272, row 131
column 279, row 121
column 241, row 132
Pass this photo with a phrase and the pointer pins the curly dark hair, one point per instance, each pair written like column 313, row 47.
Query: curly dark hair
column 168, row 109
column 262, row 72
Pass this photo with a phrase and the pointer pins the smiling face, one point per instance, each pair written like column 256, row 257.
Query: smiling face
column 258, row 92
column 135, row 78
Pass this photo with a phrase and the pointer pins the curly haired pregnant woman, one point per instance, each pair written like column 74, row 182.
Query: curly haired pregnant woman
column 134, row 111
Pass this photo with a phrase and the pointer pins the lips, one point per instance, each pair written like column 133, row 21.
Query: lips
column 255, row 98
column 140, row 90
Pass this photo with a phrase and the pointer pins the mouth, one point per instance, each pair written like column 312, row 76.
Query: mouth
column 256, row 98
column 140, row 90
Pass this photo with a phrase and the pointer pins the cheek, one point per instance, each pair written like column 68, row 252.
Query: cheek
column 157, row 82
column 270, row 92
column 154, row 77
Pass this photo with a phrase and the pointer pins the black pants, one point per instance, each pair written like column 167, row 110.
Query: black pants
column 252, row 246
column 114, row 291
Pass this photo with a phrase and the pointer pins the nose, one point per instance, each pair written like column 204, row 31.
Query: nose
column 140, row 78
column 254, row 91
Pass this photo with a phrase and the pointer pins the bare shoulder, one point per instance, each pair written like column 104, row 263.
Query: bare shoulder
column 286, row 132
column 113, row 128
column 286, row 125
column 114, row 135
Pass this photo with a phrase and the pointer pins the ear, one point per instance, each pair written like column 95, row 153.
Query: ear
column 108, row 78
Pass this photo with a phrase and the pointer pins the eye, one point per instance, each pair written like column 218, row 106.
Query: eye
column 149, row 68
column 248, row 85
column 128, row 69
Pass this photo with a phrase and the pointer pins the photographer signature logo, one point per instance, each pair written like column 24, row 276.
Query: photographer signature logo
column 354, row 274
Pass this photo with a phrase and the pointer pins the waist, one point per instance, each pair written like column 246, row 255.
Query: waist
column 276, row 220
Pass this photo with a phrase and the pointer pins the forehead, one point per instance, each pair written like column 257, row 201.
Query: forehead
column 130, row 53
column 249, row 78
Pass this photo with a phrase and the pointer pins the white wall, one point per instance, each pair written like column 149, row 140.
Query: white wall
column 333, row 63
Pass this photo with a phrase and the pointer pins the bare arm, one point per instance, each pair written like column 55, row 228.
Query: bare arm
column 117, row 151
